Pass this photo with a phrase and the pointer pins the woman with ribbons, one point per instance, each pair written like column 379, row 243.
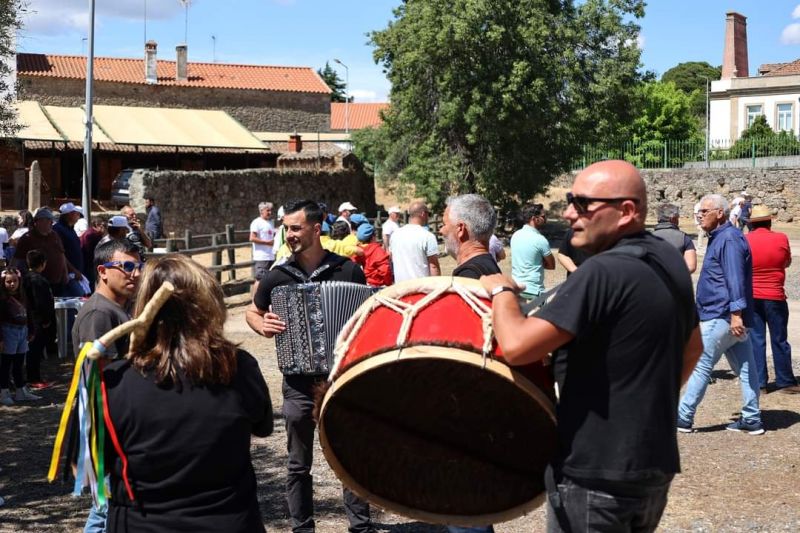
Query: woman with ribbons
column 171, row 423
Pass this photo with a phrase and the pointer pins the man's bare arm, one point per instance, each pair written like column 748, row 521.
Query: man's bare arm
column 691, row 353
column 433, row 265
column 549, row 262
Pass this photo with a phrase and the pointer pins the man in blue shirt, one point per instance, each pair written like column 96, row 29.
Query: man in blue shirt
column 725, row 306
column 65, row 228
column 530, row 252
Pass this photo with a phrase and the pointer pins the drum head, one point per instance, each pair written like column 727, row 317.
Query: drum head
column 432, row 434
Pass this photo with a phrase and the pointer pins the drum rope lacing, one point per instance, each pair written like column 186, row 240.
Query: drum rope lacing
column 409, row 312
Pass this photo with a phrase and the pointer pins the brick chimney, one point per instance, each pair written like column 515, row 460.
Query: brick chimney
column 295, row 143
column 181, row 70
column 150, row 73
column 734, row 59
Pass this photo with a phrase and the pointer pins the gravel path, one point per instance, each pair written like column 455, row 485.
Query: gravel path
column 730, row 481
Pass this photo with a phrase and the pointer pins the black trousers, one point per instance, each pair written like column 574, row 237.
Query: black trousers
column 298, row 405
column 34, row 356
column 11, row 362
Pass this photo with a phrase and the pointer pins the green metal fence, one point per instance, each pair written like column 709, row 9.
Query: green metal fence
column 777, row 150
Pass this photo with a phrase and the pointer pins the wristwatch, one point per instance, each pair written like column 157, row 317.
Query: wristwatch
column 500, row 288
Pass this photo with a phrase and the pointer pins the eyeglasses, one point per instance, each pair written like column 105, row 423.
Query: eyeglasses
column 581, row 203
column 126, row 266
column 704, row 212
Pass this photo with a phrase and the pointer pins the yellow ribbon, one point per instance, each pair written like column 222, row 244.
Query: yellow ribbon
column 64, row 424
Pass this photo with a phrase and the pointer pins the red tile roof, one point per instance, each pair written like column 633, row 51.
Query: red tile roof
column 206, row 75
column 360, row 115
column 782, row 69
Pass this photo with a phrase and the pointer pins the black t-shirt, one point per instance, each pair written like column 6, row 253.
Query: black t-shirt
column 188, row 450
column 619, row 393
column 332, row 268
column 577, row 255
column 477, row 266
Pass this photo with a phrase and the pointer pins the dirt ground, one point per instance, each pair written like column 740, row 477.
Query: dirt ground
column 730, row 481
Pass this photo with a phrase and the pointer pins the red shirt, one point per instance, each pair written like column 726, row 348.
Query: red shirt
column 377, row 265
column 771, row 256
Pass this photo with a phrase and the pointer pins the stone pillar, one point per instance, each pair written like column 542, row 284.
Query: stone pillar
column 34, row 187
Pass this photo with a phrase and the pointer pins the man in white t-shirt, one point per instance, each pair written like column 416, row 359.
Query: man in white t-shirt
column 390, row 226
column 415, row 252
column 262, row 235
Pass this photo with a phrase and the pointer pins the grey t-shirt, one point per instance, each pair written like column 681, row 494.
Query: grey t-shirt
column 98, row 316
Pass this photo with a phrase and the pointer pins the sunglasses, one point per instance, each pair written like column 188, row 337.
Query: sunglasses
column 126, row 266
column 582, row 203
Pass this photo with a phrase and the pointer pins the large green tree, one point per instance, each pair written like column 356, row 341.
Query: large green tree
column 332, row 79
column 10, row 12
column 497, row 96
column 691, row 78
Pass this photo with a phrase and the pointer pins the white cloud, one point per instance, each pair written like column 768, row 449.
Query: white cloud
column 791, row 34
column 640, row 42
column 54, row 17
column 364, row 95
column 796, row 12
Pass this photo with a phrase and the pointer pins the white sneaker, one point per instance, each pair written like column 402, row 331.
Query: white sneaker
column 24, row 394
column 5, row 397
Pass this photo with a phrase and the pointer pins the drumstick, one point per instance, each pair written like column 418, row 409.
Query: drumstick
column 136, row 327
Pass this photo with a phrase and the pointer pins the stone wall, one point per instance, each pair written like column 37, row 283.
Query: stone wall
column 204, row 202
column 256, row 110
column 777, row 188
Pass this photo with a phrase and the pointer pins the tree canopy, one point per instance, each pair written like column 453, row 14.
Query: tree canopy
column 10, row 12
column 760, row 140
column 690, row 77
column 497, row 96
column 332, row 79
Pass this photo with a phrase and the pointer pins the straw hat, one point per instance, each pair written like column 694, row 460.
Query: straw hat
column 760, row 213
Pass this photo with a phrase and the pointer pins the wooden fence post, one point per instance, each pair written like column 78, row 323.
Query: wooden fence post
column 230, row 238
column 188, row 240
column 216, row 256
column 172, row 246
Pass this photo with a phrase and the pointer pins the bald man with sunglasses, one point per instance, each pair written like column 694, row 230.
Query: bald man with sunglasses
column 629, row 330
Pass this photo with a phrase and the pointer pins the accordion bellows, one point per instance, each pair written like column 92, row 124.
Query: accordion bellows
column 314, row 313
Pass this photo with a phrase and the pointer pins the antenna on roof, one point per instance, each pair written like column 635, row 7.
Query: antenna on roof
column 185, row 4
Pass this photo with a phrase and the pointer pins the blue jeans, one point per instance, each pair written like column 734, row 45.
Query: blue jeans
column 717, row 339
column 96, row 521
column 775, row 315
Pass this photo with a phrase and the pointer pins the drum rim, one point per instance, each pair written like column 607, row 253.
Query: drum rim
column 411, row 353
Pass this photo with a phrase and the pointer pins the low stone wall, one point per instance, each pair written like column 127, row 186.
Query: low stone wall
column 204, row 202
column 778, row 188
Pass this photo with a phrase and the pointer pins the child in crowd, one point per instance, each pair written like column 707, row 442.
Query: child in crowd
column 375, row 261
column 15, row 325
column 41, row 304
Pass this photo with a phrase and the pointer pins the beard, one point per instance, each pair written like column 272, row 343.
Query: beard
column 451, row 246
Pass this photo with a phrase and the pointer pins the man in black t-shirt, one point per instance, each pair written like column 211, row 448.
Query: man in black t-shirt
column 468, row 224
column 628, row 323
column 309, row 263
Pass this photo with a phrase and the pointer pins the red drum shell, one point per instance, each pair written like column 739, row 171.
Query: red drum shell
column 431, row 429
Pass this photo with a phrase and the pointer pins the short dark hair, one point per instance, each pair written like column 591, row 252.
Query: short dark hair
column 309, row 207
column 35, row 259
column 340, row 230
column 104, row 252
column 529, row 211
column 767, row 224
column 666, row 212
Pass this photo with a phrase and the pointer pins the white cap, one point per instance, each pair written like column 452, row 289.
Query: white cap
column 395, row 209
column 118, row 221
column 69, row 207
column 347, row 206
column 280, row 212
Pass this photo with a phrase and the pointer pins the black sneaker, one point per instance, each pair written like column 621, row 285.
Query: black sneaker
column 752, row 428
column 684, row 426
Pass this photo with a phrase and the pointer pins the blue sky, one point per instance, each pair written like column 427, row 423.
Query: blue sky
column 311, row 32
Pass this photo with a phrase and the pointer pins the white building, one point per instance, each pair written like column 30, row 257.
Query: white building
column 737, row 99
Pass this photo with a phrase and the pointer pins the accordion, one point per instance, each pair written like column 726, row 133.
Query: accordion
column 314, row 313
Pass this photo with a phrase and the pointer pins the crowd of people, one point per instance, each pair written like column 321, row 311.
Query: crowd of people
column 624, row 333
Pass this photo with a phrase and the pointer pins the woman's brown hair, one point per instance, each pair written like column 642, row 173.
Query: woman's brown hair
column 187, row 333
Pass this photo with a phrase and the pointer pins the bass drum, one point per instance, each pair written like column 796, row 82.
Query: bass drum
column 424, row 418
